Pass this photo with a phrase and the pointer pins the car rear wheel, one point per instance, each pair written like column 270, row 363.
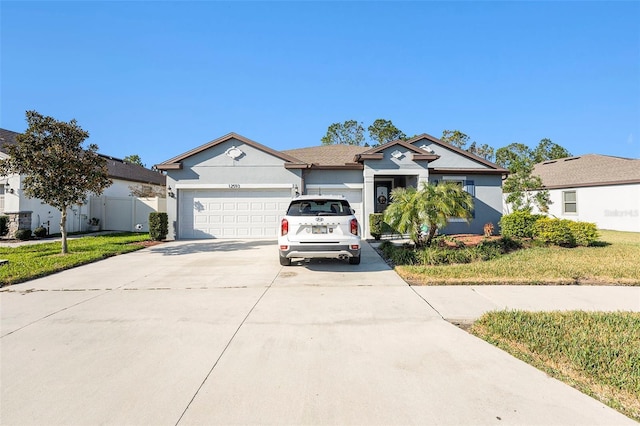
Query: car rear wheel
column 355, row 260
column 285, row 261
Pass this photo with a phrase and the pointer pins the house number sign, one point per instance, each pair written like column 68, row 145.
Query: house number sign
column 234, row 186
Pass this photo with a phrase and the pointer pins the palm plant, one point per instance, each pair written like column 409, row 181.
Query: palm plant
column 431, row 206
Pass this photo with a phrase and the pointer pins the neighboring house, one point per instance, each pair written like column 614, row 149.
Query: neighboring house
column 233, row 187
column 115, row 208
column 594, row 188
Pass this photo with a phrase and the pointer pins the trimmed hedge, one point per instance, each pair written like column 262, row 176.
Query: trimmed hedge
column 4, row 225
column 40, row 232
column 584, row 233
column 554, row 231
column 158, row 226
column 518, row 224
column 375, row 225
column 23, row 234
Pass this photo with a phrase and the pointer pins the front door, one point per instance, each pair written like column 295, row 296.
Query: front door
column 382, row 194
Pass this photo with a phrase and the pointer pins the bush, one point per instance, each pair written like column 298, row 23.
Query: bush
column 554, row 231
column 158, row 226
column 40, row 232
column 375, row 225
column 584, row 233
column 4, row 225
column 518, row 224
column 23, row 234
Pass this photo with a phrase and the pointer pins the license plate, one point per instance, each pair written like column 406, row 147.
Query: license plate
column 318, row 229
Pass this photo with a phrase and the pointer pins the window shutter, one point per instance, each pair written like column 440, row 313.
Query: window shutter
column 470, row 187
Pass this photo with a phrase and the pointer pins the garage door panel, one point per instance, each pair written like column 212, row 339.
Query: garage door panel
column 232, row 213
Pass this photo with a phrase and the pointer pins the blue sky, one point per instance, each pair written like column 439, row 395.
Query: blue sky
column 160, row 78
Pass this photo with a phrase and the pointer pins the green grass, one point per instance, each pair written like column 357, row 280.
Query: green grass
column 597, row 353
column 36, row 260
column 614, row 261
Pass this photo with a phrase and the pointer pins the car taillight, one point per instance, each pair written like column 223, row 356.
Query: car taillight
column 284, row 227
column 354, row 226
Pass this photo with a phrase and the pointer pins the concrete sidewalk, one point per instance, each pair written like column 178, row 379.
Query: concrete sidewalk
column 217, row 332
column 460, row 303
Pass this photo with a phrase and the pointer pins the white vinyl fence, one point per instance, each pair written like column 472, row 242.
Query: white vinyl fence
column 125, row 213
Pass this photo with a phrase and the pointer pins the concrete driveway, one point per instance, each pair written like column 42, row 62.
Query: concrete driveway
column 217, row 332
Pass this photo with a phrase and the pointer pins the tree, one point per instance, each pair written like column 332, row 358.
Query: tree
column 523, row 188
column 455, row 138
column 134, row 159
column 548, row 150
column 460, row 140
column 348, row 133
column 55, row 167
column 383, row 131
column 431, row 205
column 482, row 151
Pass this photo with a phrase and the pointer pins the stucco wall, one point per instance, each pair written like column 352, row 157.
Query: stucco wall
column 615, row 207
column 487, row 203
column 448, row 158
column 212, row 168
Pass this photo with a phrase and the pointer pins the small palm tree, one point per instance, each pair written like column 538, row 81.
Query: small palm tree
column 405, row 213
column 431, row 206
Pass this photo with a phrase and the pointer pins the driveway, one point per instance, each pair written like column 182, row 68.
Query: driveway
column 217, row 332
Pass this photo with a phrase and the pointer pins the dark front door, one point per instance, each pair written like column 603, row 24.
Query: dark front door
column 382, row 194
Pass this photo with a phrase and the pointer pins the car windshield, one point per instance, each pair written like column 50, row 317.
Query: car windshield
column 319, row 208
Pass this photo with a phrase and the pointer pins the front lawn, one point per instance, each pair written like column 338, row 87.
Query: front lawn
column 36, row 260
column 613, row 261
column 597, row 353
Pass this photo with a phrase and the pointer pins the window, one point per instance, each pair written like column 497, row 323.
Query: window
column 469, row 186
column 569, row 204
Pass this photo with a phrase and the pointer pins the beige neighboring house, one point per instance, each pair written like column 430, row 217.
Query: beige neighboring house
column 594, row 188
column 115, row 208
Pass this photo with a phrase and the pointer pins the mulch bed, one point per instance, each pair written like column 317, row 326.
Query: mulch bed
column 470, row 240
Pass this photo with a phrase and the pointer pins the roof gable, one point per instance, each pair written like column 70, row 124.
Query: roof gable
column 176, row 162
column 466, row 154
column 376, row 153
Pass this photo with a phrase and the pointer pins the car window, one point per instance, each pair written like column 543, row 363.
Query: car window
column 319, row 208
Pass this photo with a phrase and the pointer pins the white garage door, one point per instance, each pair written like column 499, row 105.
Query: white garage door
column 232, row 213
column 353, row 195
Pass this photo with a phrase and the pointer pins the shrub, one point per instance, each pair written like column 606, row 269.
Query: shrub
column 4, row 225
column 40, row 232
column 554, row 231
column 158, row 226
column 23, row 234
column 584, row 233
column 518, row 224
column 375, row 225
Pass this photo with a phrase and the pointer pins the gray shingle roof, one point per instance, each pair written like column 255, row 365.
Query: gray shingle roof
column 588, row 170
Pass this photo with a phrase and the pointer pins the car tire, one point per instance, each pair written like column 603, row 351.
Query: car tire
column 285, row 261
column 355, row 260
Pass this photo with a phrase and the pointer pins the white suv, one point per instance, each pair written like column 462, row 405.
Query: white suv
column 319, row 226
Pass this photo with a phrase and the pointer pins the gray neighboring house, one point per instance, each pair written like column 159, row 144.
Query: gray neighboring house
column 233, row 187
column 115, row 208
column 594, row 188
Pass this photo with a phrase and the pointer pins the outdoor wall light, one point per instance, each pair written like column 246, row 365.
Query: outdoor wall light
column 170, row 193
column 8, row 188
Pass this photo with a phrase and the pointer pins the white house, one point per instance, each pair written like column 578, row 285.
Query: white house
column 115, row 208
column 594, row 188
column 233, row 187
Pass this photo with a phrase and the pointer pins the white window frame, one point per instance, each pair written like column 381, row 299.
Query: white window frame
column 574, row 202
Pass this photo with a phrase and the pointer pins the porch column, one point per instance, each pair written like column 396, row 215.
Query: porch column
column 367, row 202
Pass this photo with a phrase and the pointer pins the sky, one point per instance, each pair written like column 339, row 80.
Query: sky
column 159, row 78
